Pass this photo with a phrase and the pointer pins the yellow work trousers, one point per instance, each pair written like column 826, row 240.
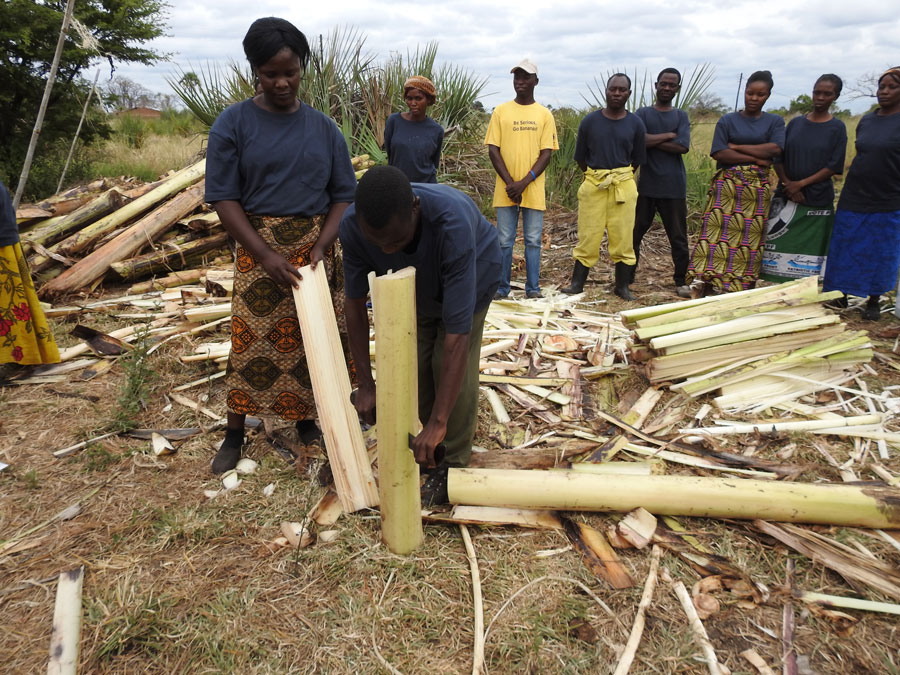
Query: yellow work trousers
column 606, row 203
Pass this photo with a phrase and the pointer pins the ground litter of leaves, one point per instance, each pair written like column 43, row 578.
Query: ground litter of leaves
column 180, row 583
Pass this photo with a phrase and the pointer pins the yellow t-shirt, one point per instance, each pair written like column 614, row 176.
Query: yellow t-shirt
column 521, row 132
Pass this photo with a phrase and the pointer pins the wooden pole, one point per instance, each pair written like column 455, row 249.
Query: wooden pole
column 92, row 267
column 66, row 624
column 353, row 479
column 396, row 399
column 708, row 497
column 42, row 110
column 87, row 102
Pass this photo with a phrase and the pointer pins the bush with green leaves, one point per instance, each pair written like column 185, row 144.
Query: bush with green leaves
column 132, row 130
column 563, row 175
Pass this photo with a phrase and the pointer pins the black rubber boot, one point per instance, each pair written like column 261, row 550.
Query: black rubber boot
column 623, row 276
column 579, row 276
column 872, row 310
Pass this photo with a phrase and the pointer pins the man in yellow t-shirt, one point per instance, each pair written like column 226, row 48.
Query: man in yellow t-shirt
column 520, row 137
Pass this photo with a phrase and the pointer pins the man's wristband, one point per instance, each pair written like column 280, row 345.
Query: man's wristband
column 533, row 177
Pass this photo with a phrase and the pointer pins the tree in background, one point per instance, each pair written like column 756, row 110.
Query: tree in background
column 120, row 93
column 29, row 30
column 123, row 94
column 802, row 105
column 866, row 87
column 189, row 80
column 707, row 104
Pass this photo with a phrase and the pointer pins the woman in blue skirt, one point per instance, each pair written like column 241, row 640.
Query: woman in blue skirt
column 864, row 255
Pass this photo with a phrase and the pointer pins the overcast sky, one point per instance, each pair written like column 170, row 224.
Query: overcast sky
column 570, row 40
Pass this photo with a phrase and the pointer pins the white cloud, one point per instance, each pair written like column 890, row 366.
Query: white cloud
column 572, row 41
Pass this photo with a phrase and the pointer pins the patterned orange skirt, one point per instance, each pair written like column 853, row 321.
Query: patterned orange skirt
column 267, row 374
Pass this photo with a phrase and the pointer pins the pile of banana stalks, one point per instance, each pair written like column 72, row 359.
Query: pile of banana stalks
column 755, row 348
column 125, row 232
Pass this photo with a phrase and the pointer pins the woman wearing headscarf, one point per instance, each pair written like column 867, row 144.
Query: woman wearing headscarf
column 279, row 174
column 864, row 254
column 412, row 139
column 728, row 254
column 802, row 210
column 25, row 337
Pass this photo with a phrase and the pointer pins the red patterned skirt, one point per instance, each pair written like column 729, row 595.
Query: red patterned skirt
column 267, row 374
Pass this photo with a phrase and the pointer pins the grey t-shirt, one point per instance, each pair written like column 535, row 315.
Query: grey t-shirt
column 277, row 164
column 9, row 230
column 414, row 147
column 603, row 143
column 810, row 147
column 735, row 128
column 663, row 176
column 456, row 255
column 873, row 181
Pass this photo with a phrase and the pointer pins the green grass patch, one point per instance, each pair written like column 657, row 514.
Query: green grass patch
column 96, row 458
column 143, row 171
column 139, row 378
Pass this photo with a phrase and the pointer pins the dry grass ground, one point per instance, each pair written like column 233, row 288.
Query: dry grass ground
column 157, row 155
column 179, row 583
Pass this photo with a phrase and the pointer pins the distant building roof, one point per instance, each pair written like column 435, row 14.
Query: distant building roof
column 140, row 112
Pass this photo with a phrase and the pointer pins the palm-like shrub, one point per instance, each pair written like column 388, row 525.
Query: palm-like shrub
column 643, row 93
column 349, row 84
column 563, row 174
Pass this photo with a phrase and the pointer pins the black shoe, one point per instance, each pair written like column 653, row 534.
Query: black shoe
column 229, row 452
column 434, row 490
column 579, row 276
column 871, row 313
column 837, row 303
column 623, row 275
column 499, row 296
column 534, row 294
column 308, row 432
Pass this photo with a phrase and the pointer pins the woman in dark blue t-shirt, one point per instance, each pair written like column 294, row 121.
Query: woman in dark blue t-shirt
column 864, row 255
column 802, row 212
column 728, row 253
column 412, row 139
column 279, row 175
